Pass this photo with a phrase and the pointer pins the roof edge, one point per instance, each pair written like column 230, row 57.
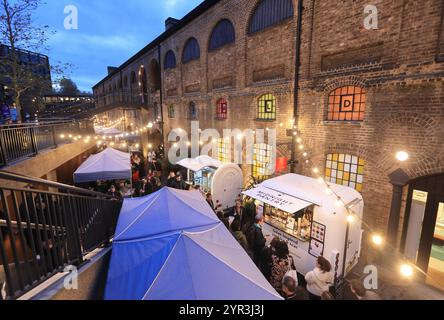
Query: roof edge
column 188, row 18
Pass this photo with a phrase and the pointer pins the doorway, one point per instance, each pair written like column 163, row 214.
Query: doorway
column 423, row 234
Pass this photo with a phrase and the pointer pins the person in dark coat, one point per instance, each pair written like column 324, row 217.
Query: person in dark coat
column 256, row 239
column 171, row 182
column 179, row 183
column 224, row 220
column 157, row 184
column 239, row 235
column 267, row 258
column 113, row 193
column 292, row 292
column 146, row 188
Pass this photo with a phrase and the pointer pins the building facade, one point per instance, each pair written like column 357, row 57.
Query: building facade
column 31, row 64
column 363, row 94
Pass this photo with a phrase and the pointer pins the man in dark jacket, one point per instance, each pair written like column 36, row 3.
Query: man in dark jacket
column 256, row 239
column 179, row 183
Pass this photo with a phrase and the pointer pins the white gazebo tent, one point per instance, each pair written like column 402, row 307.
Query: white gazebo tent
column 110, row 164
column 223, row 180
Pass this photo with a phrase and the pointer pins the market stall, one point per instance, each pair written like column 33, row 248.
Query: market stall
column 109, row 164
column 223, row 180
column 310, row 217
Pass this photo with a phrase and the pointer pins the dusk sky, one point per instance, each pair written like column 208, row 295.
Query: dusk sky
column 110, row 32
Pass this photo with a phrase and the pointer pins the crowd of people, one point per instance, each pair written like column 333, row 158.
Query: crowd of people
column 9, row 113
column 245, row 223
column 275, row 261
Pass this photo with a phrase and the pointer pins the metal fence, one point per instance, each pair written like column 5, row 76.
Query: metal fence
column 19, row 141
column 43, row 231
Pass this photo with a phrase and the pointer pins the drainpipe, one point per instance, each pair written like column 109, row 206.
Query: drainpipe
column 296, row 83
column 161, row 95
column 398, row 179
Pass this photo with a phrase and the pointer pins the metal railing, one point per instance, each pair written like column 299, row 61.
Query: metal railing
column 43, row 231
column 18, row 141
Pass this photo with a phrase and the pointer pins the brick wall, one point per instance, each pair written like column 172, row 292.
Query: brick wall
column 398, row 65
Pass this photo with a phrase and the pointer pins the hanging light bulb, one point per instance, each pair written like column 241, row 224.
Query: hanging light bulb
column 377, row 239
column 350, row 218
column 406, row 270
column 315, row 170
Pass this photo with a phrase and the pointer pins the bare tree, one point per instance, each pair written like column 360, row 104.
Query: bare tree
column 19, row 32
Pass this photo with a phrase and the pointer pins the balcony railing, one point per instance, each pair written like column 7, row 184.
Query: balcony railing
column 42, row 232
column 19, row 141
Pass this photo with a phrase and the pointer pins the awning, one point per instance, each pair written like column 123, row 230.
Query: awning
column 200, row 163
column 278, row 200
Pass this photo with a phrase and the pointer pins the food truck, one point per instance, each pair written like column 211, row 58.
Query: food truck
column 309, row 216
column 223, row 180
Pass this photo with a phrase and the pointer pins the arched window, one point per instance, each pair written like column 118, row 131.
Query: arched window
column 125, row 81
column 222, row 109
column 345, row 169
column 192, row 110
column 170, row 60
column 223, row 34
column 191, row 51
column 269, row 13
column 346, row 104
column 267, row 107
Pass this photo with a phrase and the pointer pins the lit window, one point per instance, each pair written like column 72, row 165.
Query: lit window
column 347, row 104
column 345, row 169
column 224, row 150
column 171, row 111
column 267, row 107
column 222, row 109
column 262, row 161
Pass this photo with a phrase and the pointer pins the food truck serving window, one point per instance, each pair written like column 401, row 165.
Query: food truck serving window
column 295, row 224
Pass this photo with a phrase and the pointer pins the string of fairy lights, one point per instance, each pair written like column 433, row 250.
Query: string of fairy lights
column 101, row 125
column 406, row 268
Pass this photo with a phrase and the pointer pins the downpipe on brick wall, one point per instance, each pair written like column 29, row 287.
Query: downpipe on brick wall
column 294, row 161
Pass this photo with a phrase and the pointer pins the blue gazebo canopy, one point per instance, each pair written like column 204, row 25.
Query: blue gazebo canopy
column 171, row 246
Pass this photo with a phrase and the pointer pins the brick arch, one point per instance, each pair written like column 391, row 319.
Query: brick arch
column 214, row 25
column 423, row 157
column 333, row 84
column 413, row 118
column 369, row 154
